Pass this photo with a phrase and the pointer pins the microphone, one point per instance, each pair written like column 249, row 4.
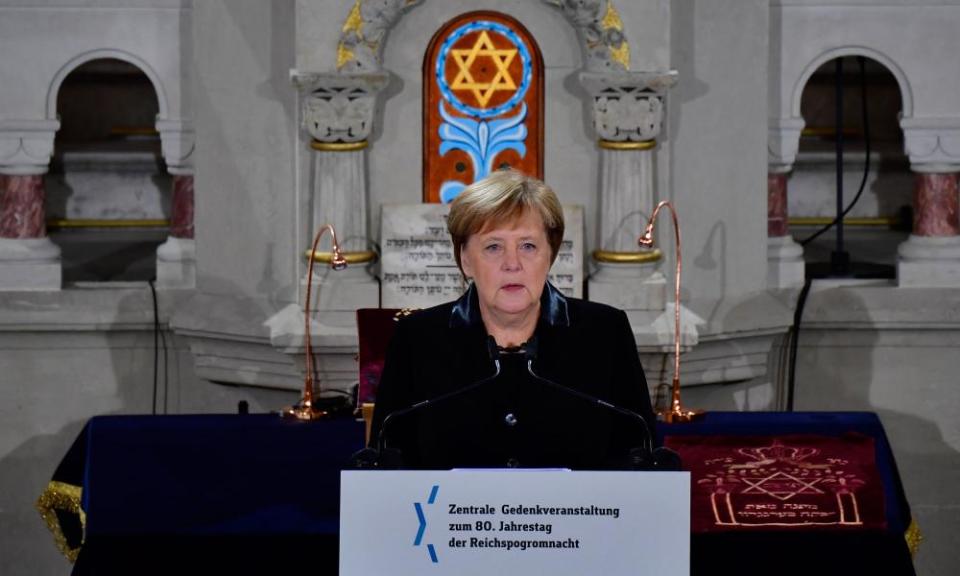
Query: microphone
column 644, row 457
column 368, row 458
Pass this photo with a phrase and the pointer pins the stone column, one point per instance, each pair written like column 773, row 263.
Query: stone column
column 931, row 255
column 176, row 258
column 338, row 115
column 28, row 259
column 627, row 116
column 785, row 265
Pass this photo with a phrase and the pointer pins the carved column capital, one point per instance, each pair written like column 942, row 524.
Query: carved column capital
column 26, row 146
column 177, row 141
column 339, row 108
column 783, row 142
column 933, row 144
column 628, row 106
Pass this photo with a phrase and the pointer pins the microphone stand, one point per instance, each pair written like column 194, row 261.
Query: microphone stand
column 644, row 457
column 385, row 457
column 676, row 412
column 306, row 409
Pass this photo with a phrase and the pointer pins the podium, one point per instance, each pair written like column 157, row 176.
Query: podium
column 514, row 521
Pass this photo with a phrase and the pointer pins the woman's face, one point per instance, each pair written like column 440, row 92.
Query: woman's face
column 509, row 265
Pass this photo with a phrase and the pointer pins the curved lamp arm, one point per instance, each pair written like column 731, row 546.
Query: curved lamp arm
column 675, row 413
column 305, row 409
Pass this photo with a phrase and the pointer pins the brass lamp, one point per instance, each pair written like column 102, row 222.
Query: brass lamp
column 676, row 412
column 305, row 409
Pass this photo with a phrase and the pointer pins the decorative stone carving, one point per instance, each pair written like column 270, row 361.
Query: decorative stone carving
column 365, row 32
column 628, row 106
column 340, row 108
column 933, row 144
column 600, row 30
column 177, row 140
column 783, row 141
column 26, row 145
column 627, row 117
column 598, row 24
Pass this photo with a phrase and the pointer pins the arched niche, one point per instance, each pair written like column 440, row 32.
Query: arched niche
column 906, row 93
column 108, row 190
column 877, row 181
column 101, row 54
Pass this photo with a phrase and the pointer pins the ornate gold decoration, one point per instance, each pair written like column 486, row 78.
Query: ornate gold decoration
column 348, row 257
column 621, row 55
column 63, row 497
column 611, row 19
column 354, row 21
column 338, row 146
column 501, row 58
column 645, row 257
column 366, row 410
column 913, row 537
column 403, row 313
column 612, row 145
column 344, row 55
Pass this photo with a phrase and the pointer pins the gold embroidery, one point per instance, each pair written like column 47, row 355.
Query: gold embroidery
column 913, row 537
column 63, row 497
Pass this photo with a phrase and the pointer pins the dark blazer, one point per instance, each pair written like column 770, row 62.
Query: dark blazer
column 514, row 420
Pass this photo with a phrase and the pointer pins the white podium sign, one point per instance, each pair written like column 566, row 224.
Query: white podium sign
column 483, row 522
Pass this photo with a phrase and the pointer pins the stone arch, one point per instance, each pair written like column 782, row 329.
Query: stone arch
column 107, row 53
column 603, row 42
column 906, row 93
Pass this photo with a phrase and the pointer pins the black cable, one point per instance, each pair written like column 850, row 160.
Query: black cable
column 156, row 346
column 166, row 372
column 794, row 336
column 866, row 168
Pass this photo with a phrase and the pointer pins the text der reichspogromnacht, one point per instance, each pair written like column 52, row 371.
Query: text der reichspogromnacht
column 536, row 510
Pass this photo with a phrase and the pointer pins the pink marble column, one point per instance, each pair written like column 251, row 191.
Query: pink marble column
column 935, row 200
column 181, row 225
column 777, row 205
column 22, row 206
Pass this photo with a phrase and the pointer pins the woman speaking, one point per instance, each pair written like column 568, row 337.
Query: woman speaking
column 512, row 374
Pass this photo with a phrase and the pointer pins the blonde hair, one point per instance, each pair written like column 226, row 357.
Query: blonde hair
column 500, row 198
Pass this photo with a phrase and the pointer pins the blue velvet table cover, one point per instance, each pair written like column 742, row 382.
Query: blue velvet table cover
column 221, row 493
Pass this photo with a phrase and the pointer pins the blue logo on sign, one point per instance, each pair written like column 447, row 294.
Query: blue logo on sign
column 422, row 523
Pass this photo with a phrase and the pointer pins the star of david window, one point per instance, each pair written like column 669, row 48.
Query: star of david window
column 482, row 103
